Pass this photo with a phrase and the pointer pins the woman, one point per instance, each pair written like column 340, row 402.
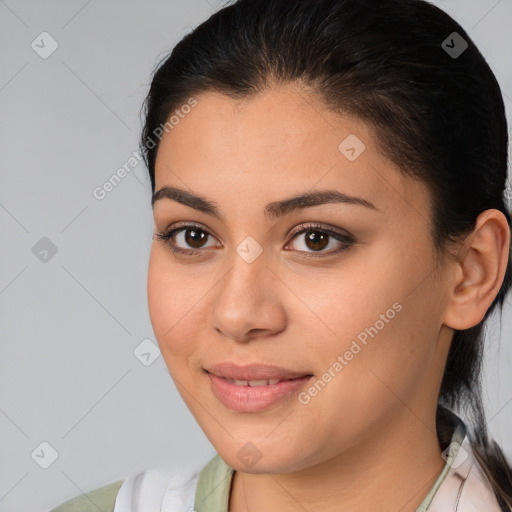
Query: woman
column 330, row 236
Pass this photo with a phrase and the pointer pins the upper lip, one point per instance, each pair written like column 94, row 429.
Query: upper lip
column 253, row 372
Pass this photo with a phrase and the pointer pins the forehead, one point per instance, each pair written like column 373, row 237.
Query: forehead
column 277, row 122
column 276, row 143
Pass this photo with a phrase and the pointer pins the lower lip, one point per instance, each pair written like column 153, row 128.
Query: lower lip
column 254, row 399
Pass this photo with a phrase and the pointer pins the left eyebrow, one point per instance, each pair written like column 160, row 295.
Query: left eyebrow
column 272, row 210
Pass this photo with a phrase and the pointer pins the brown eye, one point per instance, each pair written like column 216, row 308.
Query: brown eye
column 313, row 239
column 316, row 240
column 195, row 237
column 186, row 239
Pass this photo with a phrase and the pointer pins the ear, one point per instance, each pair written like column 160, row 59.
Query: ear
column 479, row 270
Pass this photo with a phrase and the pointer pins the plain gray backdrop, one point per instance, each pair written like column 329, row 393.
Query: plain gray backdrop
column 80, row 407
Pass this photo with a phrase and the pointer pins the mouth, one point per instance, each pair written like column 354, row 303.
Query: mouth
column 254, row 388
column 255, row 383
column 254, row 374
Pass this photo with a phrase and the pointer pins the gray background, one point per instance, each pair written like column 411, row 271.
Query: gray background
column 71, row 323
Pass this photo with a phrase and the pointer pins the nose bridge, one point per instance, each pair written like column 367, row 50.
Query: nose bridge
column 244, row 301
column 247, row 275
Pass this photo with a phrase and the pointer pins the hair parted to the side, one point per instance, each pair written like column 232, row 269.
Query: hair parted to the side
column 438, row 118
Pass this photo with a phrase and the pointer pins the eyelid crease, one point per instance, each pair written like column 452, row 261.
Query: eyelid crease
column 311, row 226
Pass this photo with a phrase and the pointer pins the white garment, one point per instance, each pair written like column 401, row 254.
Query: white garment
column 158, row 489
column 464, row 488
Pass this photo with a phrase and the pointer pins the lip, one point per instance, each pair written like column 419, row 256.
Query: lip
column 257, row 398
column 230, row 370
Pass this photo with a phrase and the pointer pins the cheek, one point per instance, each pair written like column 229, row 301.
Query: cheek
column 161, row 306
column 382, row 325
column 174, row 306
column 347, row 302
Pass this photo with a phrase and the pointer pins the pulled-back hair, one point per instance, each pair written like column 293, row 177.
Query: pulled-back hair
column 438, row 116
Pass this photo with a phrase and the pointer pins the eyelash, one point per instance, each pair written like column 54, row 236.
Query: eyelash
column 347, row 241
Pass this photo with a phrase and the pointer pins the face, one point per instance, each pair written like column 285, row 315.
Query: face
column 339, row 289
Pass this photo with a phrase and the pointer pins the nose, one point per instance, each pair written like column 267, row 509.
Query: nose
column 247, row 303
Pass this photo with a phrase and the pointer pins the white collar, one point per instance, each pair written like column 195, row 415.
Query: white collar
column 158, row 489
column 465, row 488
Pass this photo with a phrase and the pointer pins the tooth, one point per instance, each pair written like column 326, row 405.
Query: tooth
column 273, row 381
column 241, row 382
column 255, row 383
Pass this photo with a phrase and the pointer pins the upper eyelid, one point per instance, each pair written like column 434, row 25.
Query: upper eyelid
column 181, row 226
column 303, row 226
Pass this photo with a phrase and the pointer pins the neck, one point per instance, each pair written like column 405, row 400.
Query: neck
column 391, row 471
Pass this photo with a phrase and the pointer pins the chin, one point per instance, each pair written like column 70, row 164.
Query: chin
column 262, row 455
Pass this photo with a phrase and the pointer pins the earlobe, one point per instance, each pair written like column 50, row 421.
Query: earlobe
column 479, row 270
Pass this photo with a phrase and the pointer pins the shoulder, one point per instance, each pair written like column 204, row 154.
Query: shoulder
column 163, row 487
column 102, row 498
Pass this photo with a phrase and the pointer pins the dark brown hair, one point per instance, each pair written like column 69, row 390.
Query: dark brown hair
column 439, row 116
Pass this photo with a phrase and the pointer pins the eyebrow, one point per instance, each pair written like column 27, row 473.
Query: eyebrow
column 272, row 210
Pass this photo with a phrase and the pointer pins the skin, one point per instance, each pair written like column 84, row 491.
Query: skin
column 368, row 439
